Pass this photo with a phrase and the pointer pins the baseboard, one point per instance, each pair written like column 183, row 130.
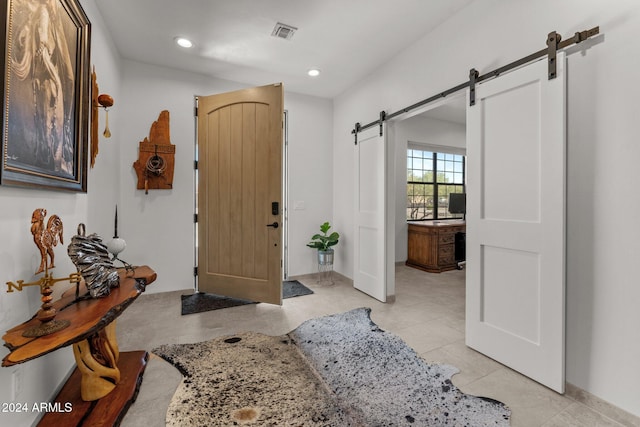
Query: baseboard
column 605, row 408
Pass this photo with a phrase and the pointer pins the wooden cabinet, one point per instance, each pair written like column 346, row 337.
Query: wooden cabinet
column 431, row 245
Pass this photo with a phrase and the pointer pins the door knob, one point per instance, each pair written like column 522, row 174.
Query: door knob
column 274, row 225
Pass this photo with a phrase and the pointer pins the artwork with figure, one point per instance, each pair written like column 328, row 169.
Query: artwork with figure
column 45, row 88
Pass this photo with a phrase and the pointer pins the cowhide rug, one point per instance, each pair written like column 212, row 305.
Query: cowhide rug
column 338, row 370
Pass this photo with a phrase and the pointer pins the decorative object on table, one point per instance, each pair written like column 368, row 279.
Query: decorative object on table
column 324, row 244
column 117, row 245
column 334, row 370
column 46, row 104
column 45, row 239
column 93, row 262
column 156, row 157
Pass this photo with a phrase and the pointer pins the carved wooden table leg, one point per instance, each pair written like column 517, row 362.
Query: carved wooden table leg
column 97, row 360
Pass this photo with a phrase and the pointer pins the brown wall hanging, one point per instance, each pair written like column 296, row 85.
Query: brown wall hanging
column 156, row 157
column 94, row 117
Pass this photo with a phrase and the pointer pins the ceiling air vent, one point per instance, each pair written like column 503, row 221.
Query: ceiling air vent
column 283, row 31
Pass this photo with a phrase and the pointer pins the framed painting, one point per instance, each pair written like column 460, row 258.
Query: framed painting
column 46, row 92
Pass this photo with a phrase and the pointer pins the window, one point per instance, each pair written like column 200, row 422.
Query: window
column 431, row 177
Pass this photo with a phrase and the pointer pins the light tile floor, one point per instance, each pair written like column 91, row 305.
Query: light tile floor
column 428, row 314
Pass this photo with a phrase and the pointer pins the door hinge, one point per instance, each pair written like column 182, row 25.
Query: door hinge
column 195, row 164
column 195, row 111
column 195, row 217
column 195, row 271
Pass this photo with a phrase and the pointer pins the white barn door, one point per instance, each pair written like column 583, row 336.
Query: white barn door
column 372, row 259
column 515, row 286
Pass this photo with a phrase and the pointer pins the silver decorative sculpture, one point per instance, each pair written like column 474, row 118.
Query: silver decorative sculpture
column 93, row 262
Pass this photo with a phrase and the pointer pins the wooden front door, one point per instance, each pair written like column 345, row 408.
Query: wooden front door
column 240, row 194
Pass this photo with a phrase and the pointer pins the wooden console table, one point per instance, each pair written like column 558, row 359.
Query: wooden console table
column 431, row 245
column 101, row 369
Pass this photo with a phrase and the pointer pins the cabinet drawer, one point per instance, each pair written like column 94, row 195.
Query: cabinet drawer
column 446, row 238
column 446, row 254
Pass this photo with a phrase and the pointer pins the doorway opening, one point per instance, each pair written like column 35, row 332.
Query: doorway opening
column 436, row 128
column 239, row 204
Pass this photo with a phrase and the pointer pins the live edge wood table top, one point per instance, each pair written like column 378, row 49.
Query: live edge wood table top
column 86, row 316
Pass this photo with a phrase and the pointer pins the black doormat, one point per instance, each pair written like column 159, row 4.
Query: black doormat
column 200, row 301
column 293, row 288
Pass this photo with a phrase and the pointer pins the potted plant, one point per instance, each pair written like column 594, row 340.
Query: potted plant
column 324, row 243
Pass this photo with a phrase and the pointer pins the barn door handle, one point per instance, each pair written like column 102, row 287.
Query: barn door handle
column 274, row 225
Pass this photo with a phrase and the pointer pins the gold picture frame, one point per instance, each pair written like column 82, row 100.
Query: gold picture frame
column 45, row 116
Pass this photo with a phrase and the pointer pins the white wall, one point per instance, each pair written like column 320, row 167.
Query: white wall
column 19, row 257
column 603, row 239
column 310, row 176
column 419, row 130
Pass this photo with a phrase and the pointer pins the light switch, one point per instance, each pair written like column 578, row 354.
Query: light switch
column 298, row 206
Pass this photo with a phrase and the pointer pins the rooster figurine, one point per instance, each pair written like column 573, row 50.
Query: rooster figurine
column 46, row 238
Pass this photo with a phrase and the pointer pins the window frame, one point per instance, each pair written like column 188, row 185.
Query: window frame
column 434, row 183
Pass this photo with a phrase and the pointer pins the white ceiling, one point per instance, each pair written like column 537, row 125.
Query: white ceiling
column 452, row 111
column 346, row 39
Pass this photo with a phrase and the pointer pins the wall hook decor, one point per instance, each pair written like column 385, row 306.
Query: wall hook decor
column 105, row 102
column 156, row 157
column 98, row 101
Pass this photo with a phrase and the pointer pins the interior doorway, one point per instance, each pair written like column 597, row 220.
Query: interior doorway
column 515, row 223
column 438, row 128
column 239, row 194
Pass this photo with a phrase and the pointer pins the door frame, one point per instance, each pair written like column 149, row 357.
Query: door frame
column 401, row 176
column 285, row 194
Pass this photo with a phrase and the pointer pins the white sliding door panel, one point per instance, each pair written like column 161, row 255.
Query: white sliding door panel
column 516, row 222
column 370, row 234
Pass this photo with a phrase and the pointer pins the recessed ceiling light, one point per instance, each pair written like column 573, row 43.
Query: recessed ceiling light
column 181, row 41
column 314, row 72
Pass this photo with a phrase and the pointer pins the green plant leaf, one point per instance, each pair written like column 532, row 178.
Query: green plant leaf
column 324, row 241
